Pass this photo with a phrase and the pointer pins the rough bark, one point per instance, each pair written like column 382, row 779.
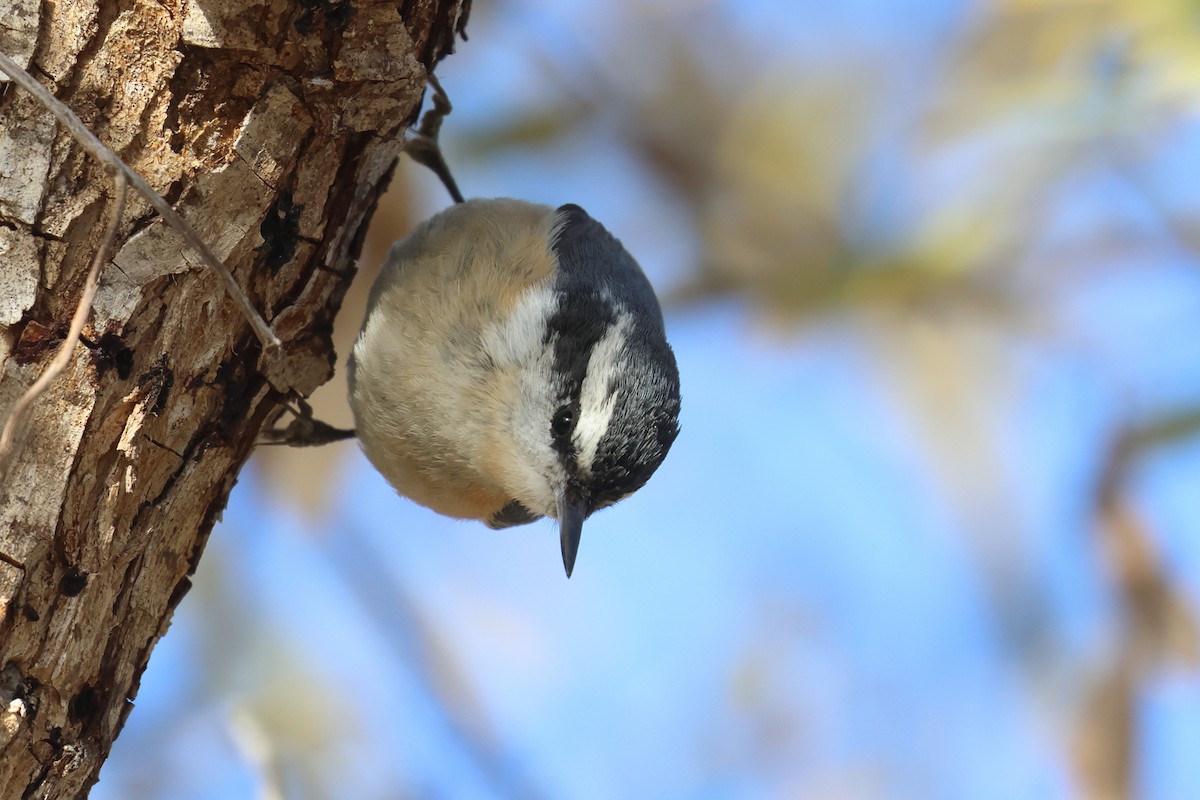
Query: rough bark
column 272, row 126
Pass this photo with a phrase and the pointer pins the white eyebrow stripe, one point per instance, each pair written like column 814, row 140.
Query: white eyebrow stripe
column 596, row 404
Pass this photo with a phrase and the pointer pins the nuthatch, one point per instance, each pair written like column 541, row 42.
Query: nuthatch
column 513, row 365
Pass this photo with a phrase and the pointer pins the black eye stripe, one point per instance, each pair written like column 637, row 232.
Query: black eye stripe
column 579, row 322
column 562, row 425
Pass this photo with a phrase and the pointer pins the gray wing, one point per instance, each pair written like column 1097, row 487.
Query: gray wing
column 511, row 515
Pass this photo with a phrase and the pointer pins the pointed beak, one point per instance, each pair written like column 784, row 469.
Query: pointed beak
column 571, row 514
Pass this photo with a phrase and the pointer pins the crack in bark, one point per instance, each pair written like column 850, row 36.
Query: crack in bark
column 159, row 444
column 161, row 494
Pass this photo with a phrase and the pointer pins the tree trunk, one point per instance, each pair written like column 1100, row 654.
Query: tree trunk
column 272, row 126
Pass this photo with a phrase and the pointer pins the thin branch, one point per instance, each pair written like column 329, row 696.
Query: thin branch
column 82, row 309
column 420, row 645
column 115, row 165
column 254, row 744
column 1154, row 618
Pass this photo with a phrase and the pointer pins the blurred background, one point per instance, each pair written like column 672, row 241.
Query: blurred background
column 932, row 272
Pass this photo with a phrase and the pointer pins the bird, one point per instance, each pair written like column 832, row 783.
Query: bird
column 512, row 365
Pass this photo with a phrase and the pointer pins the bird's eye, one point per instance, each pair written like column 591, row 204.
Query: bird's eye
column 562, row 422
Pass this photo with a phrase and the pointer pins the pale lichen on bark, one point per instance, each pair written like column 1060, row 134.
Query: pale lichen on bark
column 271, row 127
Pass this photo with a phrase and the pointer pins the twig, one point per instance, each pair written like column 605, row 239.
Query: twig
column 82, row 309
column 257, row 749
column 1154, row 619
column 421, row 645
column 115, row 165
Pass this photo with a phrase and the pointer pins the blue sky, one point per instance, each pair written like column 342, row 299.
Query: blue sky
column 807, row 599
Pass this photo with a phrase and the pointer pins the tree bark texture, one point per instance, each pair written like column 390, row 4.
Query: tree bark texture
column 272, row 126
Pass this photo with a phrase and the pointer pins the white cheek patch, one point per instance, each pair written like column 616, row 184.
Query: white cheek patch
column 519, row 342
column 596, row 404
